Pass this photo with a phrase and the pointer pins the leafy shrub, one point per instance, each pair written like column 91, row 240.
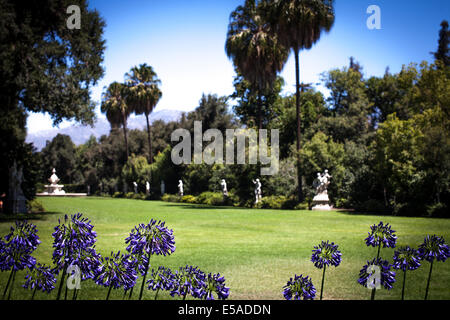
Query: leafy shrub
column 272, row 202
column 170, row 197
column 35, row 206
column 189, row 199
column 277, row 202
column 342, row 203
column 117, row 194
column 302, row 206
column 139, row 196
column 437, row 210
column 211, row 198
column 129, row 195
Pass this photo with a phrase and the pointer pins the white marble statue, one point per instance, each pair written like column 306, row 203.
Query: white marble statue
column 258, row 192
column 147, row 187
column 321, row 200
column 223, row 183
column 135, row 186
column 180, row 188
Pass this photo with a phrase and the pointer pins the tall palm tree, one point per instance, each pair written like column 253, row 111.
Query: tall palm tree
column 254, row 49
column 144, row 95
column 116, row 109
column 299, row 24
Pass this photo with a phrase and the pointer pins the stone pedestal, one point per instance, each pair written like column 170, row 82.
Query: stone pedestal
column 321, row 202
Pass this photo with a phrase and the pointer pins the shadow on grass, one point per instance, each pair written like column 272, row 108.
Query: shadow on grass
column 26, row 216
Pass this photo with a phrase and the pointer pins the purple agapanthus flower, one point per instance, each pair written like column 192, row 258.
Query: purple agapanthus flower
column 73, row 244
column 149, row 239
column 370, row 278
column 299, row 288
column 215, row 283
column 406, row 258
column 17, row 246
column 189, row 280
column 116, row 271
column 40, row 277
column 146, row 240
column 434, row 247
column 326, row 254
column 381, row 234
column 161, row 279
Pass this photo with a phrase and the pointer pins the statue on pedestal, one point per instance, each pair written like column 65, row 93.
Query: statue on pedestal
column 224, row 187
column 321, row 200
column 147, row 188
column 135, row 185
column 180, row 188
column 258, row 192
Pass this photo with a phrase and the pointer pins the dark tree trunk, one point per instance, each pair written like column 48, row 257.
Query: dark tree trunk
column 149, row 133
column 124, row 125
column 297, row 106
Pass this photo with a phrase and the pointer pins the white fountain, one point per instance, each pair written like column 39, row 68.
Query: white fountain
column 54, row 188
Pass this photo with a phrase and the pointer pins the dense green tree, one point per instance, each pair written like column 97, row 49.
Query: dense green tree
column 321, row 153
column 46, row 67
column 163, row 169
column 314, row 107
column 60, row 153
column 299, row 24
column 348, row 105
column 244, row 109
column 255, row 50
column 136, row 170
column 114, row 105
column 143, row 96
column 443, row 52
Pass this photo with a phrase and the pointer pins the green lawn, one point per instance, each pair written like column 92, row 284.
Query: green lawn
column 256, row 250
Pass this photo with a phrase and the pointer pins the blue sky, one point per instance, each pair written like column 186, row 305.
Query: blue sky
column 184, row 42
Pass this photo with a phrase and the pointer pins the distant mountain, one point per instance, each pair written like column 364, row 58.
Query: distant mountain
column 80, row 134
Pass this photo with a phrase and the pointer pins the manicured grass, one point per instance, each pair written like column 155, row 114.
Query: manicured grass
column 256, row 250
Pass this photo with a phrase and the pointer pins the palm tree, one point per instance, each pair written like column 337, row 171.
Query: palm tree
column 116, row 109
column 144, row 95
column 254, row 48
column 299, row 24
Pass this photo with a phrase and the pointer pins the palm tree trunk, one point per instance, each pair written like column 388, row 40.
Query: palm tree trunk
column 149, row 133
column 124, row 125
column 297, row 106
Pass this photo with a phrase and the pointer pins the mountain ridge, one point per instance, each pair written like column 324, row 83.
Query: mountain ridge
column 80, row 134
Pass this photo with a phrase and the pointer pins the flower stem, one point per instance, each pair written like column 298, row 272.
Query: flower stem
column 131, row 293
column 34, row 292
column 75, row 294
column 429, row 278
column 403, row 287
column 61, row 284
column 7, row 284
column 156, row 295
column 145, row 274
column 323, row 280
column 109, row 292
column 12, row 284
